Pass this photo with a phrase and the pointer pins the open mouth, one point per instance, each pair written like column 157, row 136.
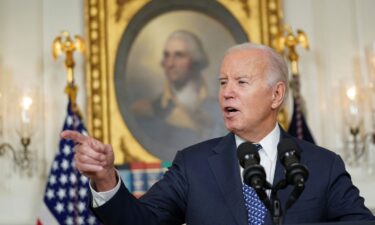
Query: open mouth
column 230, row 109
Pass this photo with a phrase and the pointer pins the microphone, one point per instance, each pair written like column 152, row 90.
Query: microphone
column 289, row 155
column 253, row 173
column 296, row 173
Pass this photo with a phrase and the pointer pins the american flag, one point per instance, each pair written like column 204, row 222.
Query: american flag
column 67, row 191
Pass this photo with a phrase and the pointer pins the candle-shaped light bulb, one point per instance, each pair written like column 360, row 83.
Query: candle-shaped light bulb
column 25, row 116
column 372, row 55
column 354, row 116
column 1, row 116
column 351, row 93
column 372, row 61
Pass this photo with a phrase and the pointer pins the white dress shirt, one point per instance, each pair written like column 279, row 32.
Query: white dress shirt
column 99, row 198
column 268, row 158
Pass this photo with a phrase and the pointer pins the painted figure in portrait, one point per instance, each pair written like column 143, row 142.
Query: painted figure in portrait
column 183, row 112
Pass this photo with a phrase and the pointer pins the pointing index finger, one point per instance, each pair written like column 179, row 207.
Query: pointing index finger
column 75, row 136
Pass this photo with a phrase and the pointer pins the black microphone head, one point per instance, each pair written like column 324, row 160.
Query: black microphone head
column 289, row 155
column 245, row 150
column 287, row 145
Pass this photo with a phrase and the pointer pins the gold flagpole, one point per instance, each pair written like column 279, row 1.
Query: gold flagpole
column 64, row 44
column 286, row 43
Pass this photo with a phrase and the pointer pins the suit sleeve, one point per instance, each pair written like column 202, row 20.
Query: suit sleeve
column 344, row 201
column 164, row 203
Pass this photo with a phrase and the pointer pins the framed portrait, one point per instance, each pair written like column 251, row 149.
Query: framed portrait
column 152, row 69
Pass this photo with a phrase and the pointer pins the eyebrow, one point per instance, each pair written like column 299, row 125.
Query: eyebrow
column 242, row 76
column 236, row 78
column 175, row 52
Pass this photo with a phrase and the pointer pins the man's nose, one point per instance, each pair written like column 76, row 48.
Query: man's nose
column 168, row 61
column 228, row 90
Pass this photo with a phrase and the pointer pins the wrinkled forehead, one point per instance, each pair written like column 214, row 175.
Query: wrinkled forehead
column 249, row 62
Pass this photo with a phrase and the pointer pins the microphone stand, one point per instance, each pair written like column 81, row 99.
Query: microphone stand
column 273, row 203
column 277, row 213
column 297, row 191
column 261, row 192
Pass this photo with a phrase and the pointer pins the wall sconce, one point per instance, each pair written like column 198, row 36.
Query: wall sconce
column 22, row 157
column 370, row 56
column 354, row 119
column 370, row 59
column 360, row 108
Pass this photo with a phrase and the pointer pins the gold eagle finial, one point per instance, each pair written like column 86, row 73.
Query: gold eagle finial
column 285, row 39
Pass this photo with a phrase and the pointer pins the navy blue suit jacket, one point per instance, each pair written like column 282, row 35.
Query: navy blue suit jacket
column 204, row 187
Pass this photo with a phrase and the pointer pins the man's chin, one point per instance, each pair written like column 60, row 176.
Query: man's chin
column 231, row 128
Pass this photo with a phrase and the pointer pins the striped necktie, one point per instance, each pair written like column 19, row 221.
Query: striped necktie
column 256, row 211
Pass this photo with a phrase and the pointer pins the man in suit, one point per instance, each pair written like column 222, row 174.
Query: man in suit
column 204, row 184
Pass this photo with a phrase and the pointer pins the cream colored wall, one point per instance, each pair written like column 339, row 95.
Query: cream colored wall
column 21, row 63
column 338, row 31
column 27, row 31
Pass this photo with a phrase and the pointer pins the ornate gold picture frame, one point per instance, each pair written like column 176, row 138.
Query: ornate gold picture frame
column 115, row 29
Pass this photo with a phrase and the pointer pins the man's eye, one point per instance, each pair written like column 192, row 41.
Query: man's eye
column 181, row 55
column 242, row 82
column 222, row 82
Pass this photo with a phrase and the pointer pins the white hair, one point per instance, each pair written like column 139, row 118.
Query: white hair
column 277, row 69
column 195, row 47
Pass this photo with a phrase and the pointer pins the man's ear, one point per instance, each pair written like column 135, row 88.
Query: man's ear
column 278, row 93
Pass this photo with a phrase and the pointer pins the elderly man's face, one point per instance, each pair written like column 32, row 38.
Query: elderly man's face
column 177, row 62
column 246, row 99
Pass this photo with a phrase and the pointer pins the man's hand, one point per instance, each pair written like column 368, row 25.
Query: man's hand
column 94, row 160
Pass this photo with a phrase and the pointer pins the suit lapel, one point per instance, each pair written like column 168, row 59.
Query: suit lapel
column 225, row 167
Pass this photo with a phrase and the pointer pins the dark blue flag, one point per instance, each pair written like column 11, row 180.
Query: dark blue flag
column 298, row 126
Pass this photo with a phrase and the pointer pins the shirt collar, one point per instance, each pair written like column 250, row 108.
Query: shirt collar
column 269, row 142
